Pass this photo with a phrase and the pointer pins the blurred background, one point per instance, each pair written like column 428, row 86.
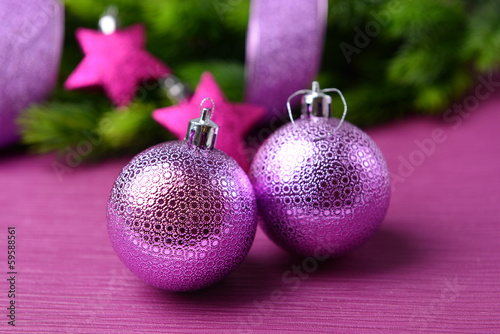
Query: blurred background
column 391, row 59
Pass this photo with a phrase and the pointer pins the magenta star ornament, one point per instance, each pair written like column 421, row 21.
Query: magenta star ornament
column 117, row 62
column 236, row 118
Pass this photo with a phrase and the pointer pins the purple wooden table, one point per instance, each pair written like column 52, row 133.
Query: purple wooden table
column 434, row 265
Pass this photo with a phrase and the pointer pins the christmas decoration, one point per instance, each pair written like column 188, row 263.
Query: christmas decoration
column 394, row 58
column 182, row 214
column 282, row 56
column 31, row 35
column 321, row 184
column 236, row 119
column 117, row 61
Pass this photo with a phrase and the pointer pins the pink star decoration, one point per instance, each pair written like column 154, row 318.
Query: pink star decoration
column 234, row 119
column 118, row 62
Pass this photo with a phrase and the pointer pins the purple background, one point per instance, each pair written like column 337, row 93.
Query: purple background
column 433, row 266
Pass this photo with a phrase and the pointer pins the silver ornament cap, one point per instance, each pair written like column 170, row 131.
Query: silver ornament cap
column 176, row 89
column 316, row 103
column 202, row 132
column 109, row 21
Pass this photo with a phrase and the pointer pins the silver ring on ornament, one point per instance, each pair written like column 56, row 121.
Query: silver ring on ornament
column 326, row 90
column 204, row 110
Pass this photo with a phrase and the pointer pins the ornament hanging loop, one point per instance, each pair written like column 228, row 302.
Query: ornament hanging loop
column 327, row 90
column 206, row 113
column 299, row 92
column 316, row 94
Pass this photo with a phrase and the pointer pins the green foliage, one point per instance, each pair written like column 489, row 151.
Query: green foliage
column 57, row 126
column 53, row 126
column 482, row 38
column 229, row 76
column 415, row 56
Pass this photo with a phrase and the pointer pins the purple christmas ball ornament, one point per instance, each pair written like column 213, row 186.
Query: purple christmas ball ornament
column 31, row 37
column 322, row 185
column 182, row 215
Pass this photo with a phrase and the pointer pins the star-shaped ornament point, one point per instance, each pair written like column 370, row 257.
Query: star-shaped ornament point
column 234, row 119
column 117, row 62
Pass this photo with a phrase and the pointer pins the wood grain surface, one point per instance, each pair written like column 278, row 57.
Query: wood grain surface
column 434, row 265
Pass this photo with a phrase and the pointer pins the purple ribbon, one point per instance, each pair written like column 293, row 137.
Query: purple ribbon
column 283, row 50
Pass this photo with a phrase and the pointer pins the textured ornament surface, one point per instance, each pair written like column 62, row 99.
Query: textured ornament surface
column 181, row 218
column 117, row 62
column 320, row 195
column 283, row 50
column 31, row 35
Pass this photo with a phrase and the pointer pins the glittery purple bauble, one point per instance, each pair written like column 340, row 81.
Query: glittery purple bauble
column 182, row 218
column 320, row 195
column 31, row 36
column 283, row 50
